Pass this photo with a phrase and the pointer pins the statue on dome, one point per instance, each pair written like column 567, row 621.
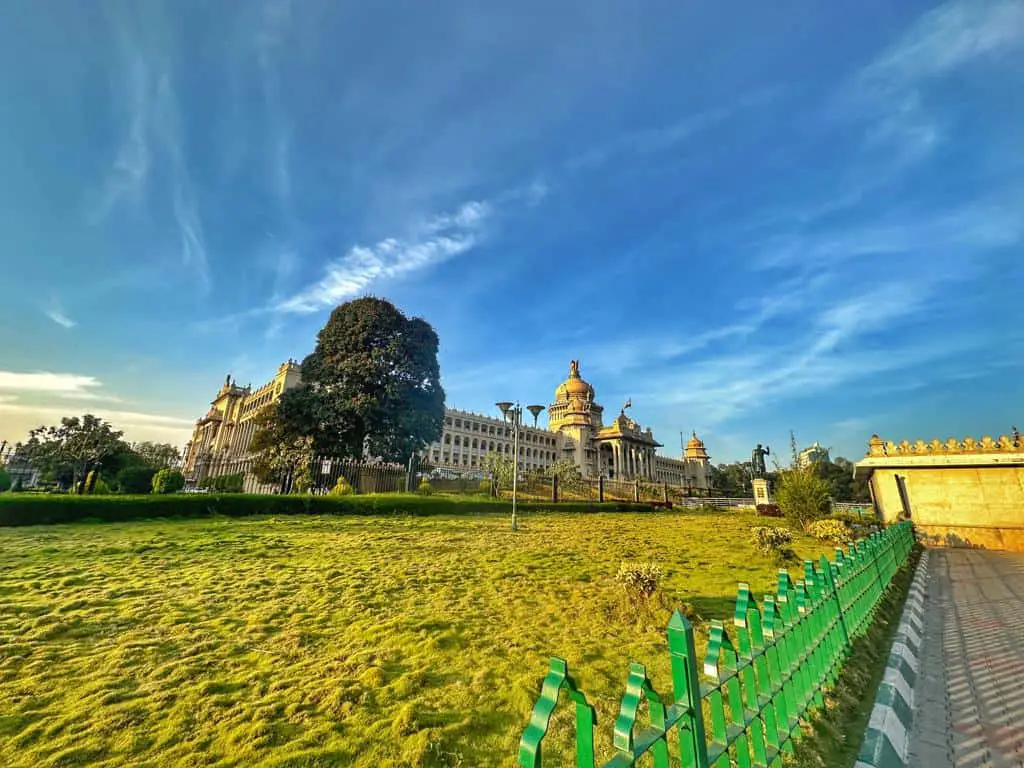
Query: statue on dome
column 574, row 369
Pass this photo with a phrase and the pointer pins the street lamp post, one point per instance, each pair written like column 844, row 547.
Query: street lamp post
column 512, row 414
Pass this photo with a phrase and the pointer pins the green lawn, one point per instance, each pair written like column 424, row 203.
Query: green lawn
column 335, row 641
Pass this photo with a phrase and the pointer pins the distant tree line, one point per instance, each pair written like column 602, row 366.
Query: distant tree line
column 734, row 480
column 88, row 455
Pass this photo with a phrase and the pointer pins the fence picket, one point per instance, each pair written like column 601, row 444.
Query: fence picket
column 785, row 656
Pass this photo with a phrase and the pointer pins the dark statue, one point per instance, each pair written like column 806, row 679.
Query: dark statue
column 757, row 466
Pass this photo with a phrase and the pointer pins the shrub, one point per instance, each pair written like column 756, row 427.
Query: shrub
column 226, row 483
column 135, row 480
column 802, row 495
column 640, row 580
column 830, row 530
column 5, row 480
column 769, row 510
column 425, row 488
column 485, row 487
column 341, row 488
column 771, row 540
column 168, row 481
column 100, row 487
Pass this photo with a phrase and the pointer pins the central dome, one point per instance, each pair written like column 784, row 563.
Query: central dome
column 574, row 386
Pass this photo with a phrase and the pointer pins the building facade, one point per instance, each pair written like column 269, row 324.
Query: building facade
column 576, row 431
column 813, row 454
column 226, row 430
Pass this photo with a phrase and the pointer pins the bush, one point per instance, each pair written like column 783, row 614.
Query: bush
column 802, row 495
column 485, row 487
column 168, row 481
column 425, row 488
column 341, row 488
column 830, row 530
column 640, row 580
column 5, row 480
column 51, row 508
column 771, row 540
column 100, row 487
column 226, row 483
column 135, row 480
column 769, row 510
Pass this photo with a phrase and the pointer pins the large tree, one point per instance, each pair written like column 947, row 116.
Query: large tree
column 372, row 384
column 283, row 454
column 157, row 455
column 76, row 447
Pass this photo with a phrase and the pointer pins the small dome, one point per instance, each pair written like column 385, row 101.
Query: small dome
column 695, row 442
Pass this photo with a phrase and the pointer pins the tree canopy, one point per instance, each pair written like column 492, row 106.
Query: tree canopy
column 157, row 455
column 74, row 448
column 372, row 384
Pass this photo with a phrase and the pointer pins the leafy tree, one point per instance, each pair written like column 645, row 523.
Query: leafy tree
column 5, row 480
column 800, row 491
column 283, row 455
column 500, row 468
column 75, row 448
column 372, row 384
column 168, row 481
column 136, row 480
column 157, row 455
column 731, row 479
column 569, row 476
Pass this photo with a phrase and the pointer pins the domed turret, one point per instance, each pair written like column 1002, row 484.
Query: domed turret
column 695, row 448
column 574, row 386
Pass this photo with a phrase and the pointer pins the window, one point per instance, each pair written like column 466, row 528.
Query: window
column 476, row 427
column 447, row 439
column 458, row 440
column 474, row 444
column 490, row 430
column 458, row 423
column 448, row 421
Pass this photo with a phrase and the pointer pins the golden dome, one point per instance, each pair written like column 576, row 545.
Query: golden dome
column 574, row 386
column 695, row 449
column 695, row 442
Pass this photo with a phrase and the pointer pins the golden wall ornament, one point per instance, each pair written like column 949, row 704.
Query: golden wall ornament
column 987, row 444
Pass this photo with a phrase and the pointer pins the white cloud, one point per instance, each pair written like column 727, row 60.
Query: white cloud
column 19, row 418
column 439, row 239
column 60, row 318
column 65, row 384
column 892, row 88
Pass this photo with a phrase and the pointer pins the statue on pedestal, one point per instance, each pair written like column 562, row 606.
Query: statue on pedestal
column 757, row 465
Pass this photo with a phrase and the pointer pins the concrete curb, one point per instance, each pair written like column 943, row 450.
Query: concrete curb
column 885, row 741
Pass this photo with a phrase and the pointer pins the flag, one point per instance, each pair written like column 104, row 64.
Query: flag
column 629, row 404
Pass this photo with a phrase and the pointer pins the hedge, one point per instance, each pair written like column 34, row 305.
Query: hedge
column 47, row 509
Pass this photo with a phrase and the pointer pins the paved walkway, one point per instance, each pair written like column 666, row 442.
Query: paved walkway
column 969, row 696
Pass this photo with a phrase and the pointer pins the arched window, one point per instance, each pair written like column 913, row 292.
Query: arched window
column 474, row 443
column 458, row 440
column 447, row 439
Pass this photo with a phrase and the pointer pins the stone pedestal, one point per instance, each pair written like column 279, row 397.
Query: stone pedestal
column 761, row 491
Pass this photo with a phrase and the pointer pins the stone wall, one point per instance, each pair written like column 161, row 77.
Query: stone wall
column 959, row 493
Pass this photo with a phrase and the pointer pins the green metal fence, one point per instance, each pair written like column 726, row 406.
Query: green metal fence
column 760, row 678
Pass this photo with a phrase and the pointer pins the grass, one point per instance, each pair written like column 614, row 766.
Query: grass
column 336, row 641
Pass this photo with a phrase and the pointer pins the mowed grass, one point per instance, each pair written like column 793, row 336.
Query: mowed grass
column 337, row 641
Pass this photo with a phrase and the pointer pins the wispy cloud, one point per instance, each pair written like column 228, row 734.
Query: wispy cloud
column 892, row 88
column 433, row 242
column 59, row 318
column 62, row 384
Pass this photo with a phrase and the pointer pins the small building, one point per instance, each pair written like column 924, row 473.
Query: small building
column 957, row 493
column 815, row 453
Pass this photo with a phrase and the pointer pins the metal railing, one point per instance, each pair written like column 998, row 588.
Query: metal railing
column 761, row 677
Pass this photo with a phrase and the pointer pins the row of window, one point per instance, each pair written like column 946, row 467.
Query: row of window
column 497, row 430
column 485, row 447
column 471, row 461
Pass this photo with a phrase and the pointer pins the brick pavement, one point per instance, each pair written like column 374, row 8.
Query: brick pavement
column 969, row 695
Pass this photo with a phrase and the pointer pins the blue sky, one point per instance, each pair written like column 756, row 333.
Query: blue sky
column 747, row 218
